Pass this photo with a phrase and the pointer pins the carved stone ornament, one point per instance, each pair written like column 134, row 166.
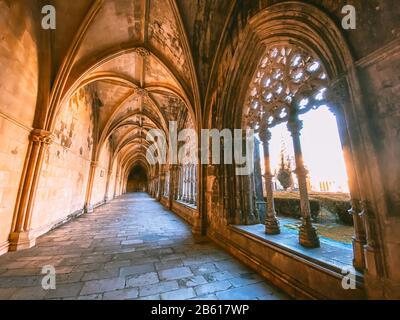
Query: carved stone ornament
column 288, row 80
column 41, row 136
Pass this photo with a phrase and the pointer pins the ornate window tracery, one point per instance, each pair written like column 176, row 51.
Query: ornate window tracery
column 289, row 80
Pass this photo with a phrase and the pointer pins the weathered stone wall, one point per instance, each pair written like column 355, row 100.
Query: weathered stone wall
column 381, row 82
column 18, row 87
column 100, row 179
column 64, row 177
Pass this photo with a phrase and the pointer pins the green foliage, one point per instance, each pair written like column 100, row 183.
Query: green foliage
column 284, row 175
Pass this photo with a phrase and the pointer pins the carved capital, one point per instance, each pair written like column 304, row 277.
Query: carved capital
column 41, row 136
column 265, row 134
column 94, row 164
column 294, row 126
column 301, row 172
column 143, row 52
column 338, row 93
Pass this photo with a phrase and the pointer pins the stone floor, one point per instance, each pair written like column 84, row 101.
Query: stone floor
column 131, row 248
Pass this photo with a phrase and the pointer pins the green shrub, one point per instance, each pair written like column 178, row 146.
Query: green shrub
column 340, row 209
column 290, row 207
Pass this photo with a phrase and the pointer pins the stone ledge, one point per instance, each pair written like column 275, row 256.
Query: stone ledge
column 331, row 255
column 298, row 276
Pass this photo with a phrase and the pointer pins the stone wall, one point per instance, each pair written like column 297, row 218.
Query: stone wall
column 18, row 87
column 100, row 179
column 64, row 178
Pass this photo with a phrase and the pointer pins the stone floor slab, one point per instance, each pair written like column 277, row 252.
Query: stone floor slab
column 130, row 248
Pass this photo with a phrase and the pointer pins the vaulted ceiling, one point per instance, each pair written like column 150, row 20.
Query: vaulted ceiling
column 136, row 57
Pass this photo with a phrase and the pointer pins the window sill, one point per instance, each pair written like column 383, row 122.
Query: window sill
column 332, row 255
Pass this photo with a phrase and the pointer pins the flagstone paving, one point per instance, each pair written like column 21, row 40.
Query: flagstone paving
column 130, row 248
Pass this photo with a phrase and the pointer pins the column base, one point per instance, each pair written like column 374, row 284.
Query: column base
column 89, row 209
column 198, row 235
column 372, row 262
column 308, row 237
column 358, row 254
column 21, row 241
column 272, row 226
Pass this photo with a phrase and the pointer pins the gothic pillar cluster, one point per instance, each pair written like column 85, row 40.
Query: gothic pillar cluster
column 21, row 236
column 341, row 100
column 308, row 234
column 271, row 222
column 89, row 190
column 187, row 184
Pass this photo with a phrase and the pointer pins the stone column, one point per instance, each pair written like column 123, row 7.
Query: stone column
column 161, row 187
column 92, row 173
column 195, row 185
column 373, row 260
column 258, row 183
column 271, row 221
column 191, row 179
column 109, row 175
column 116, row 182
column 171, row 185
column 340, row 101
column 180, row 183
column 21, row 237
column 308, row 235
column 184, row 199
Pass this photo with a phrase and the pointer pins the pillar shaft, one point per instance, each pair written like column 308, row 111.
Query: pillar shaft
column 271, row 221
column 308, row 234
column 89, row 190
column 20, row 236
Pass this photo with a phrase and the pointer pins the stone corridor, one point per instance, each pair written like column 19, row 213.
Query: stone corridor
column 130, row 248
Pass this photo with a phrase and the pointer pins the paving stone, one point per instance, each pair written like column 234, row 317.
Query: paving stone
column 245, row 279
column 168, row 264
column 130, row 242
column 175, row 273
column 192, row 281
column 116, row 264
column 91, row 297
column 6, row 293
column 124, row 294
column 245, row 293
column 29, row 293
column 204, row 268
column 142, row 280
column 98, row 286
column 160, row 287
column 206, row 297
column 212, row 287
column 137, row 269
column 231, row 266
column 131, row 248
column 218, row 276
column 69, row 277
column 102, row 274
column 153, row 297
column 181, row 294
column 65, row 291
